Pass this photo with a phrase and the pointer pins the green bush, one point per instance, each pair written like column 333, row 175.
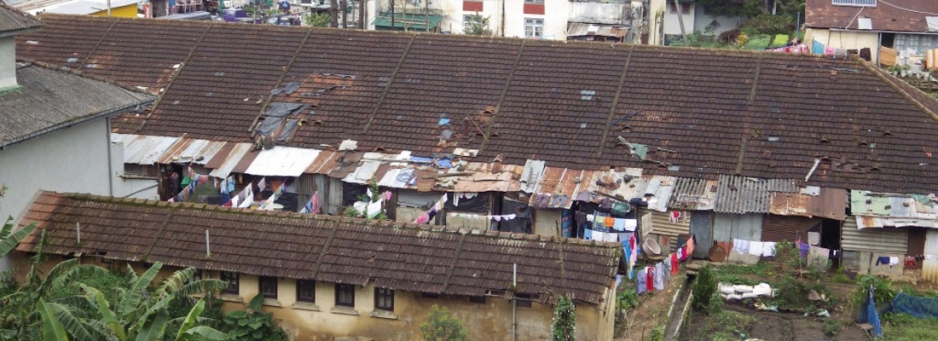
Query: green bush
column 627, row 299
column 883, row 292
column 769, row 24
column 252, row 324
column 441, row 326
column 706, row 296
column 831, row 327
column 564, row 326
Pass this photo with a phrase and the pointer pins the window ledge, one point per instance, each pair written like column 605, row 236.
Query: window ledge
column 384, row 314
column 344, row 311
column 231, row 298
column 306, row 306
column 271, row 302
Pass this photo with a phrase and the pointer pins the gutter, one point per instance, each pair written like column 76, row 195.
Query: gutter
column 70, row 123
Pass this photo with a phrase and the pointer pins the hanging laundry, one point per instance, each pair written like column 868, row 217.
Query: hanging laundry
column 423, row 219
column 690, row 246
column 588, row 234
column 631, row 224
column 667, row 266
column 768, row 249
column 609, row 222
column 627, row 255
column 248, row 200
column 659, row 276
column 650, row 278
column 374, row 209
column 619, row 224
column 755, row 248
column 640, row 285
column 674, row 217
column 804, row 249
column 262, row 184
column 600, row 236
column 611, row 237
column 893, row 261
column 741, row 246
column 882, row 261
column 231, row 184
column 674, row 266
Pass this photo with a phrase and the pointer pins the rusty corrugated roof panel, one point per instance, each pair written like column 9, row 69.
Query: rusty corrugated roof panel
column 829, row 203
column 239, row 152
column 194, row 151
column 220, row 156
column 404, row 257
column 737, row 194
column 324, row 162
column 142, row 149
column 660, row 186
column 693, row 194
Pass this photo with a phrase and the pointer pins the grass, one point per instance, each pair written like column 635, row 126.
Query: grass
column 903, row 327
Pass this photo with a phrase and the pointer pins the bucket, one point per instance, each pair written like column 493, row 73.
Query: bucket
column 650, row 246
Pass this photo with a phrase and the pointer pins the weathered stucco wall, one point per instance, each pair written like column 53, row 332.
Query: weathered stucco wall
column 845, row 40
column 547, row 222
column 322, row 320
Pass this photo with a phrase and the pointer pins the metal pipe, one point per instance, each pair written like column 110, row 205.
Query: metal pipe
column 208, row 251
column 78, row 231
column 514, row 301
column 141, row 190
column 107, row 135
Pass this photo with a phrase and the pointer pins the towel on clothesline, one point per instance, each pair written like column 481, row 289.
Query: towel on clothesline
column 755, row 248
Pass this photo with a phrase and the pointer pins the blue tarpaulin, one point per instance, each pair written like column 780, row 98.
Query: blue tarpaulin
column 870, row 315
column 920, row 307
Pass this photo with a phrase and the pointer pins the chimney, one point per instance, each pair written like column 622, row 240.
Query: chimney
column 12, row 23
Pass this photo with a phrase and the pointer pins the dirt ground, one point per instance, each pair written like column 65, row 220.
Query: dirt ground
column 770, row 326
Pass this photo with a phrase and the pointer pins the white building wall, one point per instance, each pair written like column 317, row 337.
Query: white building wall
column 845, row 40
column 702, row 20
column 7, row 62
column 73, row 159
column 673, row 26
column 138, row 188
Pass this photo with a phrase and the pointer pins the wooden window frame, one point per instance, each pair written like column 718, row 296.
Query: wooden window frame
column 262, row 286
column 302, row 284
column 387, row 294
column 231, row 277
column 344, row 287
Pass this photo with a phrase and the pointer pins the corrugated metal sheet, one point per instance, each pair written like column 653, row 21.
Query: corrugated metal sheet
column 930, row 266
column 872, row 240
column 559, row 182
column 659, row 185
column 142, row 149
column 324, row 162
column 531, row 175
column 693, row 194
column 776, row 228
column 231, row 160
column 736, row 194
column 663, row 224
column 282, row 161
column 874, row 210
column 582, row 29
column 364, row 172
column 489, row 177
column 194, row 151
column 739, row 226
column 872, row 222
column 829, row 203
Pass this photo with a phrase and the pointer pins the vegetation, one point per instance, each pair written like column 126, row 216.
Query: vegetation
column 883, row 292
column 657, row 333
column 769, row 24
column 831, row 327
column 9, row 239
column 706, row 296
column 441, row 326
column 724, row 325
column 627, row 298
column 253, row 324
column 904, row 327
column 318, row 19
column 564, row 326
column 478, row 25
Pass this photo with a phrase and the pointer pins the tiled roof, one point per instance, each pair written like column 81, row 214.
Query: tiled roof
column 890, row 15
column 330, row 249
column 12, row 20
column 700, row 112
column 48, row 100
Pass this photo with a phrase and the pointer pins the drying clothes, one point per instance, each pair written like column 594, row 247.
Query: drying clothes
column 631, row 224
column 619, row 224
column 674, row 265
column 649, row 278
column 627, row 252
column 610, row 221
column 600, row 236
column 624, row 237
column 755, row 248
column 674, row 217
column 690, row 246
column 804, row 249
column 667, row 265
column 590, row 218
column 659, row 276
column 640, row 285
column 740, row 246
column 633, row 242
column 893, row 261
column 768, row 249
column 588, row 234
column 423, row 219
column 584, row 196
column 611, row 237
column 682, row 254
column 882, row 261
column 580, row 218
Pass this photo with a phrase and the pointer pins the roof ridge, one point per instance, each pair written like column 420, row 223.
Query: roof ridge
column 891, row 81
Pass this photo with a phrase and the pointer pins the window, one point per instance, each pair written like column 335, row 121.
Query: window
column 268, row 287
column 534, row 1
column 306, row 291
column 384, row 299
column 477, row 299
column 685, row 8
column 864, row 3
column 523, row 300
column 232, row 279
column 345, row 295
column 533, row 28
column 196, row 276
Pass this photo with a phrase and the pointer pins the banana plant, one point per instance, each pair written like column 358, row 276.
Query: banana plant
column 9, row 239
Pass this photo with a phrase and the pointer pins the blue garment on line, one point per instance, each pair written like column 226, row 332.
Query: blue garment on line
column 817, row 48
column 588, row 234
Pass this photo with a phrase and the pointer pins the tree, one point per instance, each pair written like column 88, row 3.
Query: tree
column 564, row 326
column 9, row 239
column 318, row 20
column 478, row 25
column 441, row 326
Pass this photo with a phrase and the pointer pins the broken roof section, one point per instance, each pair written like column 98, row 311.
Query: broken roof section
column 193, row 151
column 693, row 194
column 811, row 202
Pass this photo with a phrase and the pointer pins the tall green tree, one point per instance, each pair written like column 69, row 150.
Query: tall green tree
column 478, row 25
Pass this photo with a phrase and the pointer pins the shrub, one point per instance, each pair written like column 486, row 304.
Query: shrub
column 769, row 24
column 706, row 296
column 441, row 326
column 252, row 324
column 564, row 325
column 831, row 327
column 627, row 299
column 883, row 292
